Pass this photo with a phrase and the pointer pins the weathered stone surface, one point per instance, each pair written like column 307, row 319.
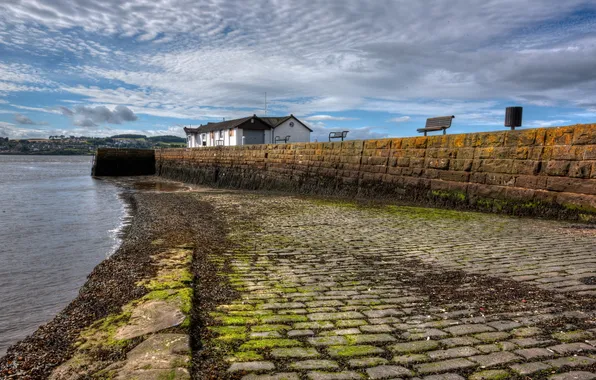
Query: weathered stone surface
column 496, row 358
column 574, row 375
column 533, row 353
column 367, row 362
column 295, row 352
column 387, row 372
column 445, row 376
column 529, row 368
column 277, row 376
column 571, row 361
column 370, row 338
column 491, row 374
column 567, row 348
column 494, row 166
column 418, row 346
column 346, row 263
column 334, row 316
column 352, row 351
column 344, row 375
column 251, row 367
column 160, row 356
column 150, row 317
column 314, row 364
column 444, row 366
column 468, row 329
column 455, row 352
column 328, row 341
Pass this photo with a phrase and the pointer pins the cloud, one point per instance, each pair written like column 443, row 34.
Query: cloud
column 546, row 123
column 379, row 56
column 24, row 120
column 12, row 131
column 328, row 118
column 55, row 110
column 400, row 119
column 83, row 116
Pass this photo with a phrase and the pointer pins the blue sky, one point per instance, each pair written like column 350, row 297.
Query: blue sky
column 376, row 68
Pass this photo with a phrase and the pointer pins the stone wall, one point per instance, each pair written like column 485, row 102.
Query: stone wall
column 548, row 171
column 123, row 162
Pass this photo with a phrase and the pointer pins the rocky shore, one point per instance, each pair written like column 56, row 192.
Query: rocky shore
column 149, row 270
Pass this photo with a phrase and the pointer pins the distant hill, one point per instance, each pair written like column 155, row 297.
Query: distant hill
column 167, row 139
column 129, row 136
column 154, row 139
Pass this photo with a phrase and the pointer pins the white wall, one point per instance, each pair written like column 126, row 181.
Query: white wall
column 297, row 133
column 192, row 140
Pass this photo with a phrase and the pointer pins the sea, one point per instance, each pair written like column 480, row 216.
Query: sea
column 56, row 224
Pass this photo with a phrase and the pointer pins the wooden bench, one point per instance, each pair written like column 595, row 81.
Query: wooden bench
column 437, row 124
column 338, row 135
column 279, row 139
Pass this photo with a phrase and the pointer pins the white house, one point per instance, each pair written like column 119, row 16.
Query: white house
column 249, row 130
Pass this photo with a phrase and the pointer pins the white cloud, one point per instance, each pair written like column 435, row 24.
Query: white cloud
column 217, row 58
column 83, row 116
column 328, row 118
column 12, row 131
column 55, row 111
column 400, row 119
column 546, row 123
column 25, row 120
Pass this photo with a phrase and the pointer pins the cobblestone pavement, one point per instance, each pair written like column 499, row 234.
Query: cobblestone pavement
column 332, row 290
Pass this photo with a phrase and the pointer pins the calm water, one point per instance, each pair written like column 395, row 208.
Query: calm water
column 56, row 225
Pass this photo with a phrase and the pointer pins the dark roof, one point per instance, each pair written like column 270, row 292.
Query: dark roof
column 275, row 121
column 191, row 130
column 262, row 123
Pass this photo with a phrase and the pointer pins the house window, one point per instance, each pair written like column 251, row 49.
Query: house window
column 231, row 132
column 221, row 134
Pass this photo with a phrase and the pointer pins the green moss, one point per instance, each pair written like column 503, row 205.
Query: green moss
column 458, row 196
column 260, row 344
column 103, row 332
column 180, row 363
column 347, row 351
column 245, row 356
column 265, row 328
column 232, row 337
column 429, row 213
column 225, row 330
column 185, row 323
column 182, row 296
column 572, row 336
column 494, row 374
column 284, row 318
column 170, row 375
column 252, row 313
column 236, row 307
column 574, row 207
column 351, row 323
column 237, row 320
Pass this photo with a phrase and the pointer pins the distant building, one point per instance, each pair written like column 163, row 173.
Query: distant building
column 249, row 130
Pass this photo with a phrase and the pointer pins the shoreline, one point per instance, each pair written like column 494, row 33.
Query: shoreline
column 113, row 283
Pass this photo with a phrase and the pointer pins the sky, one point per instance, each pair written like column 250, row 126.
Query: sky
column 376, row 68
